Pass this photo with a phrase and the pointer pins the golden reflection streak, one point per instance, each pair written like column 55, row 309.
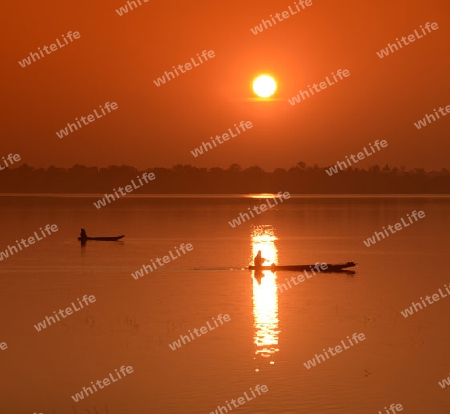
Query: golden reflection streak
column 262, row 195
column 265, row 296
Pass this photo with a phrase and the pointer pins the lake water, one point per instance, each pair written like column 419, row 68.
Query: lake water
column 270, row 334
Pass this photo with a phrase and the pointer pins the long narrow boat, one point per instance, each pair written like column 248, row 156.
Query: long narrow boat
column 101, row 238
column 298, row 268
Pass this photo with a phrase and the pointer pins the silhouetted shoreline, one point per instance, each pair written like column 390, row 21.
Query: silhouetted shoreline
column 187, row 179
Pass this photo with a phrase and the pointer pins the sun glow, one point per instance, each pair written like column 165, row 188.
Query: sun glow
column 264, row 86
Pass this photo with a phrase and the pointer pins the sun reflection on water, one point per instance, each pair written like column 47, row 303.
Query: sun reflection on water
column 265, row 297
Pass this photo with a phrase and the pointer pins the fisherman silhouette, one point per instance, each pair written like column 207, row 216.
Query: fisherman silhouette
column 258, row 260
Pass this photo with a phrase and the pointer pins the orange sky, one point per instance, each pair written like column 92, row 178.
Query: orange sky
column 117, row 58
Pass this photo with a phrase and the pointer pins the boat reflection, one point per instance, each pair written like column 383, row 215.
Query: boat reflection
column 265, row 296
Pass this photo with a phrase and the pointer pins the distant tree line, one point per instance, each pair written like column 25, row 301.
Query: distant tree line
column 186, row 179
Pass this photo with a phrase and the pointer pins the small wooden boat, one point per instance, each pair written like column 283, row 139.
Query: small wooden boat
column 84, row 237
column 331, row 268
column 101, row 238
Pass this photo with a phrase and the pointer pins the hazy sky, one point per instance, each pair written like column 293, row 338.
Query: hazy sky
column 117, row 58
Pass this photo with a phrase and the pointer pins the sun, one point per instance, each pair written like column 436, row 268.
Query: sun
column 264, row 86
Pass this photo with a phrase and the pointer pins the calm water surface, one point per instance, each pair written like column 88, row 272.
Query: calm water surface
column 270, row 334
